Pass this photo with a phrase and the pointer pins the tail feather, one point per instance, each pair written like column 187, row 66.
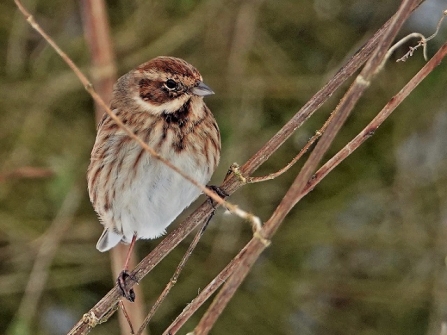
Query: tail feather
column 108, row 240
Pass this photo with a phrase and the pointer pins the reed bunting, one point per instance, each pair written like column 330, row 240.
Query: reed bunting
column 135, row 195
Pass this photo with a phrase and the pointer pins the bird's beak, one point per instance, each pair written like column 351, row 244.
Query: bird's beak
column 202, row 90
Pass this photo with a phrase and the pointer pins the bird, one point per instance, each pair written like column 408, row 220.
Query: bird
column 135, row 195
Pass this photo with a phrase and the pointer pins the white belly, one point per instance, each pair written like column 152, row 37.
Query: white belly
column 156, row 197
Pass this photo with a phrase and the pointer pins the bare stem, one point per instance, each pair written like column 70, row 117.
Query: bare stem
column 341, row 112
column 205, row 293
column 126, row 317
column 174, row 277
column 234, row 181
column 370, row 129
column 26, row 172
column 347, row 150
column 309, row 143
column 292, row 196
column 422, row 42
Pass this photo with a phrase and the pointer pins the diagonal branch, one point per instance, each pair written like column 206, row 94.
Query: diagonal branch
column 347, row 150
column 342, row 112
column 174, row 277
column 295, row 159
column 272, row 145
column 255, row 247
column 370, row 129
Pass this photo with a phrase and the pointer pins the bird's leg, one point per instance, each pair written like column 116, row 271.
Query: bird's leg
column 221, row 193
column 128, row 293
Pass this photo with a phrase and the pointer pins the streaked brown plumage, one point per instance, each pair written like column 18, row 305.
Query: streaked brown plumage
column 135, row 195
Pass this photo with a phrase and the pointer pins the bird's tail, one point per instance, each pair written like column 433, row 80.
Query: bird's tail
column 108, row 240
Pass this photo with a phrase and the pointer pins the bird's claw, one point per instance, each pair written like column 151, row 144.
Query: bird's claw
column 216, row 189
column 127, row 292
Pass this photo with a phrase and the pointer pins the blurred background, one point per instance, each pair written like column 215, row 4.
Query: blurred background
column 364, row 253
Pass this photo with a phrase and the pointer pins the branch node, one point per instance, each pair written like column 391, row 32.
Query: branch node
column 422, row 42
column 265, row 241
column 31, row 20
column 91, row 319
column 362, row 81
column 258, row 231
column 88, row 87
column 237, row 172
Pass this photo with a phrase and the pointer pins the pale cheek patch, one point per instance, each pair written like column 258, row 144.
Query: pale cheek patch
column 167, row 107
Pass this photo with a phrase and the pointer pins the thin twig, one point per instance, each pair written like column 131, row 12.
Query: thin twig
column 126, row 317
column 204, row 294
column 444, row 14
column 28, row 172
column 412, row 49
column 341, row 112
column 174, row 277
column 422, row 42
column 370, row 129
column 309, row 143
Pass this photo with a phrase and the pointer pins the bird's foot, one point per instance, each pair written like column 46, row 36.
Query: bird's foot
column 127, row 292
column 216, row 189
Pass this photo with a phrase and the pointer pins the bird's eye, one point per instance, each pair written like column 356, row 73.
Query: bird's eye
column 171, row 84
